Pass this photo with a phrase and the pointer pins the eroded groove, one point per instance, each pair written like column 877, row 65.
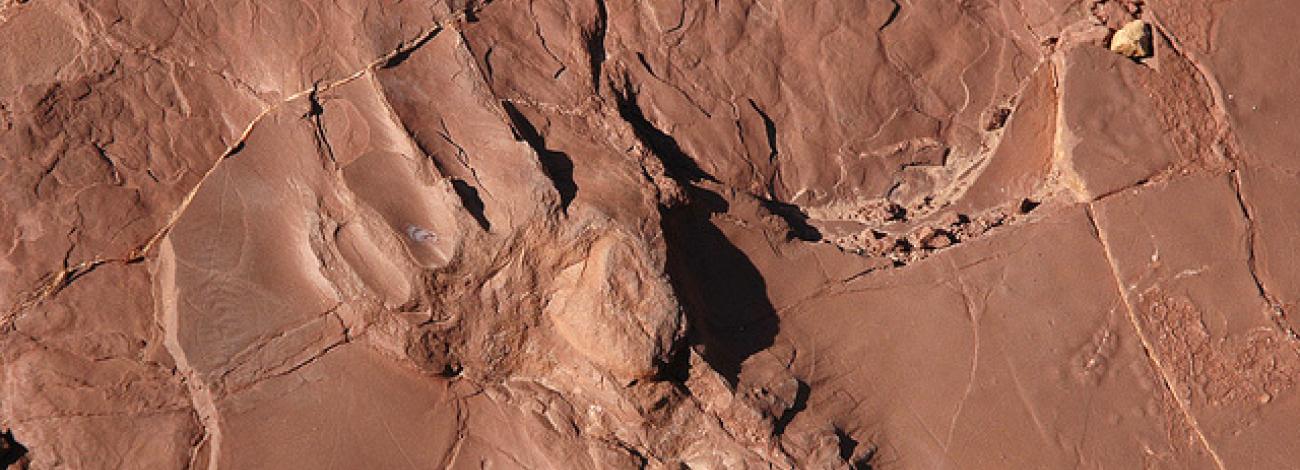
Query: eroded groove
column 202, row 399
column 1279, row 313
column 1229, row 150
column 1148, row 347
column 974, row 318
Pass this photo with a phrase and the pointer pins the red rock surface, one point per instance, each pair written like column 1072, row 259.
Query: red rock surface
column 595, row 234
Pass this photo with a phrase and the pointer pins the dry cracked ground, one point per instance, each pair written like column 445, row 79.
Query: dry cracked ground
column 978, row 234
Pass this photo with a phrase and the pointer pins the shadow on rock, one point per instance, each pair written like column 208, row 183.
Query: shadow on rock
column 11, row 452
column 723, row 294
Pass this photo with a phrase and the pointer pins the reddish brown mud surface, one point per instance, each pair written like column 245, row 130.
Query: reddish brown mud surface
column 657, row 234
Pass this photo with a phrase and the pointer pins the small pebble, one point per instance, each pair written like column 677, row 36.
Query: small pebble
column 1131, row 40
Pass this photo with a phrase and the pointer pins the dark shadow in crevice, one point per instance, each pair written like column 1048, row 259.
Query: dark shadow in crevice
column 677, row 369
column 10, row 450
column 800, row 404
column 864, row 462
column 646, row 64
column 404, row 53
column 723, row 294
column 849, row 446
column 677, row 164
column 232, row 151
column 557, row 165
column 795, row 218
column 769, row 128
column 1028, row 205
column 472, row 202
column 596, row 45
column 893, row 15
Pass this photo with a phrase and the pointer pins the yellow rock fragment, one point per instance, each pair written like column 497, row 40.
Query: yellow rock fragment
column 1132, row 40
